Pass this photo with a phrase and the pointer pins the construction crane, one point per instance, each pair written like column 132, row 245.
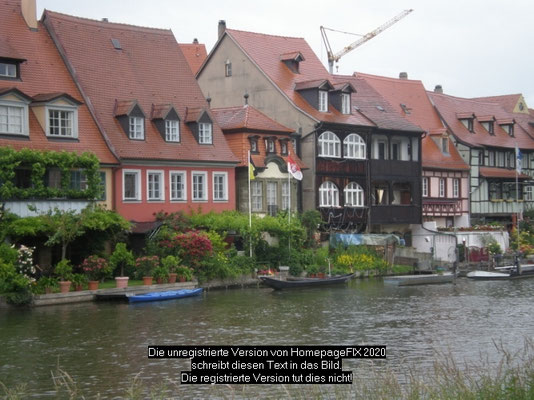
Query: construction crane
column 335, row 57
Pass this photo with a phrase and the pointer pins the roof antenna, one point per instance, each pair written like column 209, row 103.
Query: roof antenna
column 246, row 98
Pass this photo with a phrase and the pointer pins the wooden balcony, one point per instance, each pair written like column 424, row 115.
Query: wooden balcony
column 396, row 214
column 344, row 218
column 442, row 207
column 343, row 167
column 380, row 168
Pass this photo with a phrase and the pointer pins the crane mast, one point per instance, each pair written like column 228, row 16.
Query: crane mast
column 332, row 58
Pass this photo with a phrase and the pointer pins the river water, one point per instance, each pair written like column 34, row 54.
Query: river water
column 103, row 346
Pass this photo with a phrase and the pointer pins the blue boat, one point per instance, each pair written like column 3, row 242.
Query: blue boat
column 158, row 296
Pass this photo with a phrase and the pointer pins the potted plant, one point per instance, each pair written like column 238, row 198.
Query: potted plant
column 64, row 271
column 171, row 263
column 121, row 259
column 161, row 273
column 47, row 284
column 97, row 269
column 184, row 273
column 78, row 280
column 145, row 267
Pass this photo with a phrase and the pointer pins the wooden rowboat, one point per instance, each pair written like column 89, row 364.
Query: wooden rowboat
column 279, row 284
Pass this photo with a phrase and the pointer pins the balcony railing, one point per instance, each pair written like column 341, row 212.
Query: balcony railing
column 396, row 214
column 442, row 207
column 344, row 218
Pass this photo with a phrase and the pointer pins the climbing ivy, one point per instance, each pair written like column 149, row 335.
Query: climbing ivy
column 38, row 162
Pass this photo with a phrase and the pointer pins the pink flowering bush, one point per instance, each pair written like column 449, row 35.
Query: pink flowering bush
column 96, row 268
column 194, row 247
column 146, row 265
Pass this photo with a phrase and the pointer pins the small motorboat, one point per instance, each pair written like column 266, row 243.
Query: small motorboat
column 168, row 295
column 511, row 274
column 304, row 282
column 423, row 279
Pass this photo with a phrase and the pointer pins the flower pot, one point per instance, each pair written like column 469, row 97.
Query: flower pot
column 121, row 281
column 160, row 280
column 78, row 288
column 93, row 285
column 172, row 277
column 64, row 286
column 181, row 278
column 48, row 290
column 321, row 275
column 147, row 280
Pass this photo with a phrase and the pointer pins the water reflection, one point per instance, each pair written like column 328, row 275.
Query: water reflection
column 104, row 345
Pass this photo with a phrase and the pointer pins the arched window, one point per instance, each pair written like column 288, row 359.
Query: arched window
column 354, row 147
column 328, row 195
column 353, row 195
column 329, row 145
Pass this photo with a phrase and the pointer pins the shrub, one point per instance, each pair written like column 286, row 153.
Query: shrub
column 63, row 270
column 122, row 259
column 146, row 265
column 96, row 268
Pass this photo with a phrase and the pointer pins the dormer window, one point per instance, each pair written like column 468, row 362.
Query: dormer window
column 345, row 103
column 292, row 60
column 488, row 125
column 167, row 122
column 445, row 145
column 507, row 125
column 205, row 133
column 283, row 147
column 269, row 145
column 172, row 130
column 323, row 100
column 131, row 118
column 136, row 128
column 14, row 112
column 59, row 112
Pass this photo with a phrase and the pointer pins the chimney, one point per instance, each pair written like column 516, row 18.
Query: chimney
column 403, row 75
column 438, row 89
column 105, row 20
column 29, row 12
column 195, row 41
column 222, row 27
column 246, row 98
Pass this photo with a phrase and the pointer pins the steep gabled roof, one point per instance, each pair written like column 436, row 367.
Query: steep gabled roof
column 409, row 99
column 449, row 107
column 195, row 54
column 265, row 51
column 44, row 72
column 148, row 67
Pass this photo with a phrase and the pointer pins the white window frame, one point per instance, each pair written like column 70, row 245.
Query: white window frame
column 442, row 187
column 528, row 194
column 345, row 103
column 136, row 128
column 172, row 189
column 151, row 186
column 272, row 193
column 256, row 196
column 286, row 200
column 354, row 195
column 328, row 194
column 23, row 106
column 73, row 112
column 354, row 147
column 424, row 186
column 323, row 100
column 224, row 175
column 205, row 133
column 8, row 70
column 194, row 197
column 329, row 145
column 172, row 130
column 137, row 172
column 455, row 187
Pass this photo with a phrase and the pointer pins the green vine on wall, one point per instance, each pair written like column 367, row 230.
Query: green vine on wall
column 38, row 162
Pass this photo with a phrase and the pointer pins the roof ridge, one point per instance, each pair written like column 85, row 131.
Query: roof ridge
column 113, row 25
column 386, row 78
column 471, row 100
column 266, row 34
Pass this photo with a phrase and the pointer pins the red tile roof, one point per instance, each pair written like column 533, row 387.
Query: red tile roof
column 247, row 118
column 265, row 50
column 195, row 54
column 449, row 107
column 238, row 123
column 45, row 72
column 149, row 67
column 408, row 99
column 490, row 172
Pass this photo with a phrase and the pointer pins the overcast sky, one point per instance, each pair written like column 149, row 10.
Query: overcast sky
column 470, row 47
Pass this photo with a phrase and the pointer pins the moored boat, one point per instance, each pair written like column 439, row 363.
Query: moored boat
column 168, row 295
column 505, row 275
column 424, row 279
column 279, row 284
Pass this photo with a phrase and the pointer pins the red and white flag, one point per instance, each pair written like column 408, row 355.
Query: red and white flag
column 294, row 169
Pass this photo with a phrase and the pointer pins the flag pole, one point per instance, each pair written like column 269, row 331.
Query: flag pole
column 289, row 204
column 249, row 205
